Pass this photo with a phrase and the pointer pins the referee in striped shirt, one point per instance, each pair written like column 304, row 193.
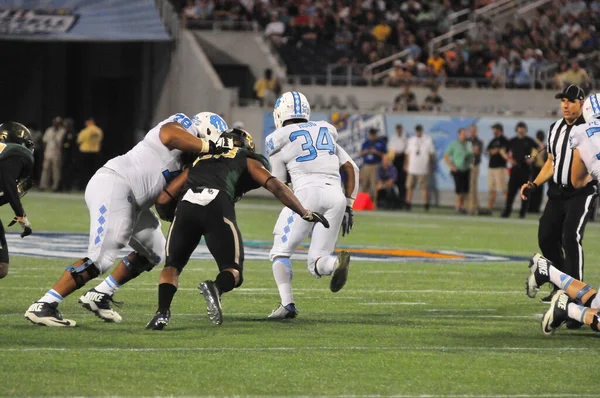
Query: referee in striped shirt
column 569, row 195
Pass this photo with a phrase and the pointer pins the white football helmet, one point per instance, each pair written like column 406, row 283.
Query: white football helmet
column 209, row 126
column 291, row 105
column 591, row 108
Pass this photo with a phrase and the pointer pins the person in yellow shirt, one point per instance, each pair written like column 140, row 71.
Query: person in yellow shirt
column 436, row 61
column 382, row 31
column 90, row 143
column 267, row 88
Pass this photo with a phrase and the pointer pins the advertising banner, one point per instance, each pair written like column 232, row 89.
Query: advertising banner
column 353, row 129
column 74, row 20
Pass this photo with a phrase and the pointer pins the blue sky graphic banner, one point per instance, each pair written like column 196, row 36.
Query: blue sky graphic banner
column 353, row 129
column 81, row 20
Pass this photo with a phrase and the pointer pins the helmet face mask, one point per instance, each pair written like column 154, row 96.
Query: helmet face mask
column 291, row 105
column 241, row 138
column 208, row 126
column 591, row 108
column 16, row 133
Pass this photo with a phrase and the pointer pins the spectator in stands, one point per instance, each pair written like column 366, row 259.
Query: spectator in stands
column 372, row 151
column 190, row 12
column 477, row 146
column 52, row 151
column 497, row 174
column 90, row 144
column 517, row 76
column 406, row 101
column 436, row 62
column 414, row 51
column 418, row 164
column 267, row 89
column 275, row 29
column 577, row 76
column 387, row 191
column 433, row 101
column 397, row 150
column 381, row 31
column 69, row 153
column 398, row 75
column 459, row 157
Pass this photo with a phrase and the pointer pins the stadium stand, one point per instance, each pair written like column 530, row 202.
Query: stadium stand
column 379, row 42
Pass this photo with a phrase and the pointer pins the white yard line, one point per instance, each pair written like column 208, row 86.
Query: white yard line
column 316, row 348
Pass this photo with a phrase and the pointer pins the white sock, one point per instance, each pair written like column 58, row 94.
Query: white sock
column 282, row 272
column 52, row 297
column 325, row 265
column 559, row 278
column 576, row 311
column 108, row 286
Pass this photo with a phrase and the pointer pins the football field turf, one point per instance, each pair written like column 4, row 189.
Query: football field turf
column 432, row 327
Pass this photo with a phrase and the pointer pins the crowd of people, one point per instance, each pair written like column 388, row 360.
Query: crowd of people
column 65, row 159
column 392, row 169
column 311, row 35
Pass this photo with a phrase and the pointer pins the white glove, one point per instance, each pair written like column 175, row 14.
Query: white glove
column 25, row 224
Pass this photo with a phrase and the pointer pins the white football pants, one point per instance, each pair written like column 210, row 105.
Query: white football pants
column 115, row 221
column 290, row 229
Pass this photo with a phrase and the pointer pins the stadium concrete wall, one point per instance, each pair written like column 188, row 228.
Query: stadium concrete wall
column 192, row 85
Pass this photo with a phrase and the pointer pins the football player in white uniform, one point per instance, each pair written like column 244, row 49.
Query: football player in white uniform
column 575, row 300
column 119, row 197
column 308, row 151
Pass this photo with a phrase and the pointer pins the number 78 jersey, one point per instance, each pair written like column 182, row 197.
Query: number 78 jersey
column 307, row 151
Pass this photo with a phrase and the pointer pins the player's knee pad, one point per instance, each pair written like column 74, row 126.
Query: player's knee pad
column 136, row 264
column 287, row 264
column 78, row 268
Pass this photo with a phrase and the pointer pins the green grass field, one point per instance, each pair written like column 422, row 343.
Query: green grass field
column 397, row 329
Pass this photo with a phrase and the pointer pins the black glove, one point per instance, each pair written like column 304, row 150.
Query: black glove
column 24, row 223
column 315, row 217
column 531, row 186
column 223, row 145
column 348, row 221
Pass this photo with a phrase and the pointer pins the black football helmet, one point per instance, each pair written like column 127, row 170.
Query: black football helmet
column 16, row 133
column 241, row 138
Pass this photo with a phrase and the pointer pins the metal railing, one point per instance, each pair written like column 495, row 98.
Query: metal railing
column 368, row 70
column 205, row 24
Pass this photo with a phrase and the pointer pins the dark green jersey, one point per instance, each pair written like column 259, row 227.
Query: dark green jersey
column 16, row 165
column 227, row 172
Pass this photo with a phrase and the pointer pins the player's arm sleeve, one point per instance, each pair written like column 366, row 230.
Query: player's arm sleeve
column 10, row 170
column 278, row 167
column 352, row 173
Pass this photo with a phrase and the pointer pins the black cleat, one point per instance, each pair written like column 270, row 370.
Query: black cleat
column 557, row 314
column 160, row 320
column 47, row 314
column 213, row 301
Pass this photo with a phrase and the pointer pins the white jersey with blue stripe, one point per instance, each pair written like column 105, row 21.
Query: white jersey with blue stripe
column 586, row 138
column 307, row 151
column 150, row 166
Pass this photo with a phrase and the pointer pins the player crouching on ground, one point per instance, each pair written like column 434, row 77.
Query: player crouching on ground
column 575, row 300
column 210, row 189
column 16, row 165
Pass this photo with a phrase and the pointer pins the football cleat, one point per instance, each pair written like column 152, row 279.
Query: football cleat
column 538, row 267
column 284, row 312
column 340, row 272
column 47, row 314
column 160, row 320
column 213, row 301
column 99, row 304
column 557, row 314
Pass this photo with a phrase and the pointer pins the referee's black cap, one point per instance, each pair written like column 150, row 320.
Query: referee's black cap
column 572, row 93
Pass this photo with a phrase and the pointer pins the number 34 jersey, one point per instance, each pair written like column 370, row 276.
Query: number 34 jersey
column 150, row 166
column 586, row 138
column 307, row 151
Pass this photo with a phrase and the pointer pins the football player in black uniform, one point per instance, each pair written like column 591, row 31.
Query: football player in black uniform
column 16, row 166
column 206, row 208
